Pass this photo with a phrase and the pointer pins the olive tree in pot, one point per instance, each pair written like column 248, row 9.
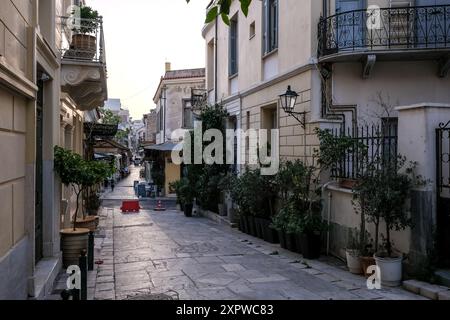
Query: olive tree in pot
column 255, row 195
column 353, row 252
column 386, row 194
column 74, row 171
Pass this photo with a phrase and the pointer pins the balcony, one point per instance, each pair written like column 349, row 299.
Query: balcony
column 83, row 61
column 400, row 33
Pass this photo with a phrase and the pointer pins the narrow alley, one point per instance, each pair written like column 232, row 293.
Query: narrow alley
column 164, row 255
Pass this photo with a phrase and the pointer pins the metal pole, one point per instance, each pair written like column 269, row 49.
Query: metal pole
column 82, row 263
column 91, row 251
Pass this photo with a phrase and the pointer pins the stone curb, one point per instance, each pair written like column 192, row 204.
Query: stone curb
column 427, row 290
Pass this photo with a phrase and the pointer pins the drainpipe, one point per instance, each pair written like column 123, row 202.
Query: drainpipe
column 325, row 8
column 215, row 60
column 330, row 197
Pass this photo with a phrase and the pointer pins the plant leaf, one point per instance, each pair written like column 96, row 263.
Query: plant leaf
column 226, row 19
column 212, row 14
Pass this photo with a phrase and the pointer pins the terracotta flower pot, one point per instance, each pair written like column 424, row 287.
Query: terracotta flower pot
column 366, row 262
column 84, row 45
column 90, row 222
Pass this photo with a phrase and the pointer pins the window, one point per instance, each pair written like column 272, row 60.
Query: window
column 211, row 64
column 389, row 133
column 234, row 59
column 270, row 18
column 158, row 122
column 252, row 31
column 188, row 115
column 269, row 118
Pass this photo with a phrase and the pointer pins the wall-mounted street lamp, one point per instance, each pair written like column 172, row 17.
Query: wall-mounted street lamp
column 288, row 101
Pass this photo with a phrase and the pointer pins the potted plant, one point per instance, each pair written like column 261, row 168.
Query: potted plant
column 382, row 194
column 84, row 38
column 311, row 228
column 395, row 187
column 280, row 224
column 353, row 252
column 74, row 171
column 176, row 187
column 187, row 196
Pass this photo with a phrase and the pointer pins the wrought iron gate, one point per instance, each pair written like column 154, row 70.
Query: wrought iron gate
column 443, row 191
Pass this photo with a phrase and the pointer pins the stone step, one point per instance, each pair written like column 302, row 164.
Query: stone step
column 427, row 290
column 443, row 277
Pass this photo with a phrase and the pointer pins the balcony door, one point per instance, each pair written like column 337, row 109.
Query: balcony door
column 350, row 24
column 433, row 24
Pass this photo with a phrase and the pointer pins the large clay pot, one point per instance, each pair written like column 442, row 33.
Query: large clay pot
column 291, row 244
column 391, row 272
column 259, row 228
column 84, row 46
column 282, row 237
column 73, row 242
column 90, row 222
column 270, row 234
column 251, row 225
column 188, row 208
column 311, row 245
column 366, row 262
column 353, row 261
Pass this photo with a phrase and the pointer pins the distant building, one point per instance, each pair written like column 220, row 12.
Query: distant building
column 173, row 112
column 150, row 123
column 115, row 105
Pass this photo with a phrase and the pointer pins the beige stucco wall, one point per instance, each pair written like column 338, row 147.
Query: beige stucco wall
column 399, row 83
column 297, row 43
column 15, row 18
column 12, row 173
column 172, row 174
column 344, row 217
column 261, row 79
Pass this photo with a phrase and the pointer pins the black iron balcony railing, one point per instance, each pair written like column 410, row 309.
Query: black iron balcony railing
column 405, row 28
column 82, row 40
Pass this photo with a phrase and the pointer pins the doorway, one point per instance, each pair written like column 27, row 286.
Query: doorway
column 443, row 193
column 351, row 24
column 39, row 234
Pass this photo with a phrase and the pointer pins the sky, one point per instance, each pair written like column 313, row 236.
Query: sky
column 141, row 35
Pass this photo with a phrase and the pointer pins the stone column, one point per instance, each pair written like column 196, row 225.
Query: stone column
column 417, row 126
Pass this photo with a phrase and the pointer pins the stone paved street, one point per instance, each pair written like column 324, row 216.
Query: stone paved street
column 166, row 255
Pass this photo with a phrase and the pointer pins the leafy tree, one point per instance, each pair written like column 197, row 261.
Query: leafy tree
column 255, row 194
column 382, row 193
column 222, row 9
column 205, row 179
column 108, row 117
column 80, row 174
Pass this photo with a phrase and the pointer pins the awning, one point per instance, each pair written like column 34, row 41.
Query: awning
column 166, row 147
column 103, row 156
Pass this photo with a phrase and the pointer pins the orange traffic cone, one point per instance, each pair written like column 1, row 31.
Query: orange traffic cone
column 160, row 207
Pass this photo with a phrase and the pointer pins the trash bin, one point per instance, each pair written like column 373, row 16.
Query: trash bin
column 142, row 192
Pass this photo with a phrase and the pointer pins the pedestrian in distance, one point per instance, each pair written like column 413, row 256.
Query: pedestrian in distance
column 112, row 185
